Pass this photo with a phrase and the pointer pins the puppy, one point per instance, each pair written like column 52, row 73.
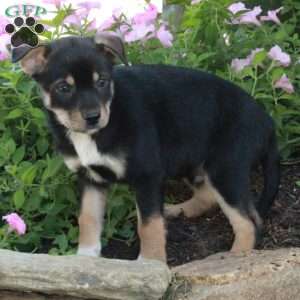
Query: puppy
column 144, row 124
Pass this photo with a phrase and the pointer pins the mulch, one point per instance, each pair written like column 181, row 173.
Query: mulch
column 192, row 239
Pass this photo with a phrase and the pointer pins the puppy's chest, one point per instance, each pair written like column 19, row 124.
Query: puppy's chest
column 99, row 167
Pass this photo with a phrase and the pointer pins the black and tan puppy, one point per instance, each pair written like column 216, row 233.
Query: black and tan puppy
column 144, row 124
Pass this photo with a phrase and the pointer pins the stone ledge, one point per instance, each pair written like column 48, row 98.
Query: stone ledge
column 261, row 275
column 80, row 277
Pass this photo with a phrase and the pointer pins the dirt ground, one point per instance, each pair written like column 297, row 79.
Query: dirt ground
column 191, row 239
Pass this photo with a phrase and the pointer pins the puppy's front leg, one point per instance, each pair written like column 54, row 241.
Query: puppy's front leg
column 91, row 220
column 151, row 227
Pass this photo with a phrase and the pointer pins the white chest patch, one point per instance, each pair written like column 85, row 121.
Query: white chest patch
column 88, row 154
column 73, row 163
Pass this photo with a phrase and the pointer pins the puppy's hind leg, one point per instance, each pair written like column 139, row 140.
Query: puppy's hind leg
column 202, row 201
column 241, row 214
column 242, row 225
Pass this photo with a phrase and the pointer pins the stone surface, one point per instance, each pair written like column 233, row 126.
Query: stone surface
column 81, row 277
column 9, row 295
column 261, row 275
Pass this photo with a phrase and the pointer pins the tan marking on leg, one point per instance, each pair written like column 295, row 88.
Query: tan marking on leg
column 242, row 226
column 202, row 201
column 91, row 221
column 152, row 235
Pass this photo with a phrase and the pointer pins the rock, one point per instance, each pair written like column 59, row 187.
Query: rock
column 261, row 275
column 80, row 277
column 30, row 296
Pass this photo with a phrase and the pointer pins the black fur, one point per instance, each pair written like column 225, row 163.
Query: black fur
column 169, row 121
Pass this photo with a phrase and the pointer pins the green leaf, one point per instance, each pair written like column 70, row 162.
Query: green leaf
column 259, row 57
column 277, row 73
column 37, row 113
column 53, row 167
column 34, row 203
column 18, row 155
column 247, row 71
column 211, row 33
column 19, row 199
column 56, row 209
column 14, row 114
column 42, row 145
column 73, row 234
column 29, row 174
column 205, row 56
column 62, row 242
column 7, row 149
column 58, row 20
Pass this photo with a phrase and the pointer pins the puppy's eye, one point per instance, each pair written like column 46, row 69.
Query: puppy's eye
column 101, row 83
column 63, row 88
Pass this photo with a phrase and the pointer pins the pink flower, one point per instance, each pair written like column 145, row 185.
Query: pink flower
column 106, row 24
column 88, row 5
column 57, row 3
column 3, row 56
column 5, row 40
column 279, row 56
column 117, row 12
column 237, row 7
column 254, row 52
column 15, row 223
column 272, row 16
column 3, row 22
column 124, row 28
column 194, row 2
column 82, row 13
column 92, row 25
column 250, row 17
column 74, row 20
column 285, row 84
column 139, row 32
column 164, row 36
column 238, row 64
column 146, row 17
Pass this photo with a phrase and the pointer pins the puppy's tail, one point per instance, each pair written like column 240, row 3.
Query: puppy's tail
column 271, row 172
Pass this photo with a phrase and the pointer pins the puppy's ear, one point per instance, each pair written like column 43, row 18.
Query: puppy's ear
column 111, row 44
column 33, row 60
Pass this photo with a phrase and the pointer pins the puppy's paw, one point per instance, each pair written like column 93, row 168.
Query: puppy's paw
column 172, row 210
column 141, row 258
column 94, row 251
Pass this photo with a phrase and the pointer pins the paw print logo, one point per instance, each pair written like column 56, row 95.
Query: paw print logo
column 24, row 32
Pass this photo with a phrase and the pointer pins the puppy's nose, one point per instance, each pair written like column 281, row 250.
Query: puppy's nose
column 91, row 117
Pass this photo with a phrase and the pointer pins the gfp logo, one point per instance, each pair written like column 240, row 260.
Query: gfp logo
column 25, row 10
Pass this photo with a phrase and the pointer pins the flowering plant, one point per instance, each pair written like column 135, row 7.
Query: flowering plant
column 254, row 47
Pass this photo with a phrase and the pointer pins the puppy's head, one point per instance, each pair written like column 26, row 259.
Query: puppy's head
column 75, row 75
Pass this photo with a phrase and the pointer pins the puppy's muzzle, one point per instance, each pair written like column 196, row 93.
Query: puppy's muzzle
column 91, row 117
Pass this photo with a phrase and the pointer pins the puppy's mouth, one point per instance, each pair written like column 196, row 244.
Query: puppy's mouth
column 88, row 122
column 92, row 128
column 86, row 125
